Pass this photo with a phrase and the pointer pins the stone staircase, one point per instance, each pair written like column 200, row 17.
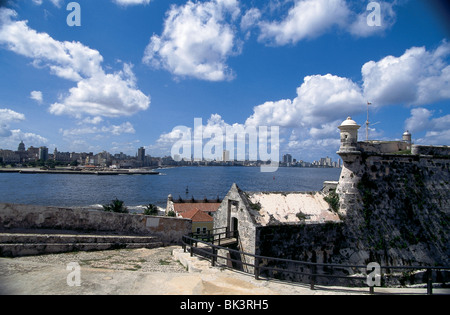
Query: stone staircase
column 40, row 242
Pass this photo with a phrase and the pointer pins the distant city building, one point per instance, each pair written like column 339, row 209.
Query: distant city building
column 225, row 155
column 141, row 154
column 33, row 153
column 9, row 157
column 122, row 160
column 43, row 153
column 287, row 158
column 21, row 147
column 64, row 157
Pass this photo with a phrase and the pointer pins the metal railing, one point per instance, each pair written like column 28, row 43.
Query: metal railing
column 256, row 264
column 214, row 237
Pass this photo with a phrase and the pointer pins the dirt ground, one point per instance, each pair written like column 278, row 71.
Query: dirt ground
column 159, row 271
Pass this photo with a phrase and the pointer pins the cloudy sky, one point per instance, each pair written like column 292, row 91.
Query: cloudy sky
column 135, row 70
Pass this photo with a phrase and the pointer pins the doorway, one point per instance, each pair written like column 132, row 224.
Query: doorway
column 234, row 226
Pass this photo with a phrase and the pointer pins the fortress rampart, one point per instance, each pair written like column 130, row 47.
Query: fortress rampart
column 394, row 198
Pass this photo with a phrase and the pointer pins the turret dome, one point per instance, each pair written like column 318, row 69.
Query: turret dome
column 349, row 122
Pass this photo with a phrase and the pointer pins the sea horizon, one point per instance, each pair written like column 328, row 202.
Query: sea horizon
column 187, row 182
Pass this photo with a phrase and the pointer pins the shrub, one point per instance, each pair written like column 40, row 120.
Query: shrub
column 116, row 205
column 301, row 216
column 151, row 209
column 333, row 201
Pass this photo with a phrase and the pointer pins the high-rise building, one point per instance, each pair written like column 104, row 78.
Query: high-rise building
column 287, row 158
column 43, row 153
column 225, row 155
column 141, row 154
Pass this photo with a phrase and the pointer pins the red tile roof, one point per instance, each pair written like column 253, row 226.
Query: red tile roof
column 203, row 206
column 197, row 215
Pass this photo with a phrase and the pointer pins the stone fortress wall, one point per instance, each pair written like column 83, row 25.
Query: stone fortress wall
column 15, row 217
column 393, row 202
column 394, row 198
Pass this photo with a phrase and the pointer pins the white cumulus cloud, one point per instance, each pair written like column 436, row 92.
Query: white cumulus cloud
column 8, row 116
column 386, row 19
column 37, row 96
column 197, row 40
column 306, row 19
column 320, row 99
column 308, row 123
column 110, row 95
column 10, row 138
column 437, row 130
column 97, row 93
column 116, row 130
column 418, row 77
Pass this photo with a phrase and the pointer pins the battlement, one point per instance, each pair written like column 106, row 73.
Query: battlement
column 438, row 151
column 351, row 148
column 400, row 147
column 384, row 147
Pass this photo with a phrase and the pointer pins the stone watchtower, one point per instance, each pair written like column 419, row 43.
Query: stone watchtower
column 407, row 138
column 349, row 138
column 349, row 153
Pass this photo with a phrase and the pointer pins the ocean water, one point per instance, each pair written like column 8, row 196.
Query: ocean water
column 135, row 190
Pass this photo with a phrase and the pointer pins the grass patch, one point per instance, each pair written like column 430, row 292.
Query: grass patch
column 333, row 200
column 163, row 262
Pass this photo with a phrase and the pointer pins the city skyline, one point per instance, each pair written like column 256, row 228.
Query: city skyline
column 18, row 156
column 132, row 71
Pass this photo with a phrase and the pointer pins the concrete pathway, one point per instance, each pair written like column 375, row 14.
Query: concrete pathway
column 159, row 271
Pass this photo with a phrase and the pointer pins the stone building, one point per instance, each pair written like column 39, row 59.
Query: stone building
column 179, row 206
column 202, row 222
column 391, row 205
column 256, row 215
column 201, row 212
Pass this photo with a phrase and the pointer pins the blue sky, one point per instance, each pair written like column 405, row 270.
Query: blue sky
column 136, row 69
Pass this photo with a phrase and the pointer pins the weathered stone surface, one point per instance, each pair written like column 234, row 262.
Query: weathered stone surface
column 168, row 229
column 396, row 208
column 292, row 207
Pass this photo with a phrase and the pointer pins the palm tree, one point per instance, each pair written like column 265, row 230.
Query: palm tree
column 151, row 209
column 116, row 205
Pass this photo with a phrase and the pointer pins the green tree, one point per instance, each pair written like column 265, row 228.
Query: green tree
column 116, row 205
column 151, row 209
column 50, row 164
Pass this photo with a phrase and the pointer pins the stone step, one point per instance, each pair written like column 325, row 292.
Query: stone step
column 32, row 238
column 24, row 249
column 51, row 242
